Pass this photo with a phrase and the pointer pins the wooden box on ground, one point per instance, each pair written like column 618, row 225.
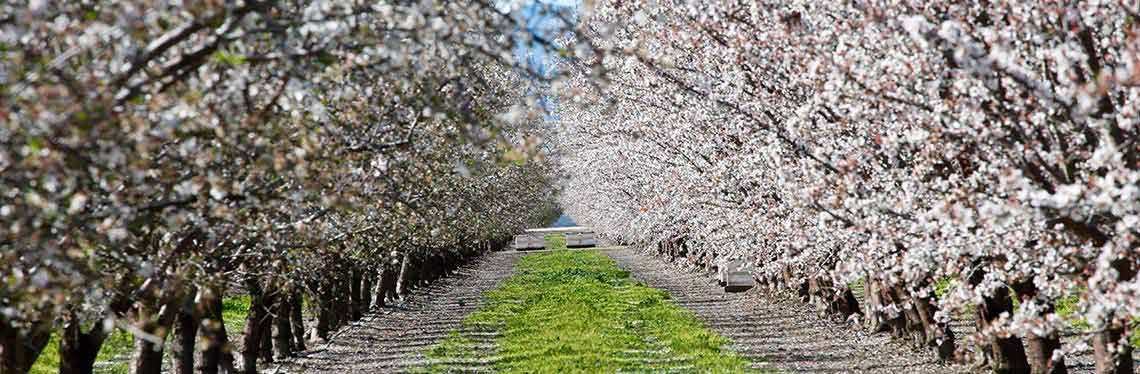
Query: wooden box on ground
column 577, row 236
column 580, row 239
column 529, row 241
column 734, row 275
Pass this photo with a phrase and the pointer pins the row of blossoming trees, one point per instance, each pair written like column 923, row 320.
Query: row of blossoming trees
column 988, row 149
column 158, row 156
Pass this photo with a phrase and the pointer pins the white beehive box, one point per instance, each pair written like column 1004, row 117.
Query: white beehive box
column 580, row 239
column 529, row 241
column 734, row 275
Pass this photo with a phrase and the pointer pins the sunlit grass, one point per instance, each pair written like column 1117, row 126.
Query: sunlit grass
column 576, row 311
column 555, row 241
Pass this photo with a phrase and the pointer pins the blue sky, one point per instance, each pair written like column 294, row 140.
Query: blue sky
column 540, row 18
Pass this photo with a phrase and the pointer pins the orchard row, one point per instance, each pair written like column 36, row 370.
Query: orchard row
column 989, row 151
column 159, row 156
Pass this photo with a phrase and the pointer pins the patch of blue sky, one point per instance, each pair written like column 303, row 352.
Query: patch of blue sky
column 543, row 22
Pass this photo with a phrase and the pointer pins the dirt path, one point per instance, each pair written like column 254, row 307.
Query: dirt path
column 783, row 334
column 394, row 339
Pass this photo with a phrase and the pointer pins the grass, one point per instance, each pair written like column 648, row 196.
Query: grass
column 555, row 241
column 576, row 311
column 114, row 354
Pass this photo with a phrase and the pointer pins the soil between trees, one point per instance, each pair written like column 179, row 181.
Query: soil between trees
column 396, row 338
column 774, row 334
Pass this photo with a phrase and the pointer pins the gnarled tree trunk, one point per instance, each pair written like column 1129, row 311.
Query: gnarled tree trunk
column 283, row 331
column 185, row 335
column 19, row 349
column 1039, row 349
column 938, row 335
column 1113, row 352
column 78, row 349
column 1111, row 347
column 296, row 320
column 1007, row 355
column 251, row 339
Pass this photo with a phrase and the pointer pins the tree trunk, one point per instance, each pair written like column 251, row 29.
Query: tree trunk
column 402, row 281
column 381, row 290
column 337, row 305
column 938, row 335
column 1113, row 352
column 19, row 350
column 355, row 296
column 846, row 304
column 367, row 289
column 269, row 302
column 297, row 321
column 1039, row 349
column 265, row 350
column 78, row 349
column 873, row 302
column 912, row 320
column 324, row 313
column 283, row 333
column 1111, row 348
column 1007, row 355
column 391, row 277
column 209, row 358
column 251, row 340
column 148, row 353
column 185, row 335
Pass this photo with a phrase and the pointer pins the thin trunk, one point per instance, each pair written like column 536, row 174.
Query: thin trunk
column 873, row 302
column 391, row 278
column 297, row 321
column 324, row 313
column 270, row 304
column 381, row 291
column 283, row 332
column 185, row 335
column 148, row 352
column 1039, row 351
column 402, row 280
column 367, row 290
column 355, row 297
column 913, row 321
column 265, row 352
column 938, row 335
column 78, row 349
column 251, row 340
column 336, row 305
column 846, row 304
column 1113, row 352
column 209, row 358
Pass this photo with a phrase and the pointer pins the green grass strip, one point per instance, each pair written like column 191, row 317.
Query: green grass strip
column 576, row 311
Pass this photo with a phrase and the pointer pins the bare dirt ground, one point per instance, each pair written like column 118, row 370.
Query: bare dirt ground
column 777, row 333
column 394, row 339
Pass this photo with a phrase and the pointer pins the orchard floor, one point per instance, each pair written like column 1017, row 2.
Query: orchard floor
column 396, row 338
column 775, row 332
column 775, row 335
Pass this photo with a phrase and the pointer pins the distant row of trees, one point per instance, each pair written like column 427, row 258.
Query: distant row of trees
column 990, row 150
column 156, row 158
